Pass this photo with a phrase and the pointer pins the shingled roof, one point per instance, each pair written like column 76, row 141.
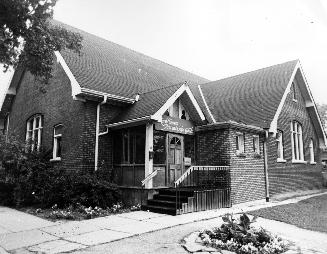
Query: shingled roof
column 107, row 67
column 251, row 98
column 149, row 104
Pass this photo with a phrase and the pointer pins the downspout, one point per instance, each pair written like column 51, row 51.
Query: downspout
column 266, row 165
column 97, row 134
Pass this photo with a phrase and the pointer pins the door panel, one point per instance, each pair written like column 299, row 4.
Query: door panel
column 175, row 149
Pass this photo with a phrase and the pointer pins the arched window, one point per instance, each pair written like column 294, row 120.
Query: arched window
column 312, row 153
column 57, row 136
column 297, row 142
column 34, row 127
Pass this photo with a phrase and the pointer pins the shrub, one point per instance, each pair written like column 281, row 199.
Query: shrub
column 239, row 236
column 29, row 179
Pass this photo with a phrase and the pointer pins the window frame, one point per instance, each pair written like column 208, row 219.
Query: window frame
column 31, row 129
column 294, row 95
column 55, row 156
column 132, row 154
column 240, row 143
column 256, row 144
column 297, row 142
column 312, row 152
column 280, row 146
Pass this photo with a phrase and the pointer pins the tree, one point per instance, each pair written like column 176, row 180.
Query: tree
column 28, row 37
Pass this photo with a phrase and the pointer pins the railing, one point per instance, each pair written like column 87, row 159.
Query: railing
column 149, row 177
column 204, row 176
column 209, row 185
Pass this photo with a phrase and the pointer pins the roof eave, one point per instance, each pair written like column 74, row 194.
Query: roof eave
column 228, row 124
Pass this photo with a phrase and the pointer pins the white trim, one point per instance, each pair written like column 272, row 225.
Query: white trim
column 195, row 103
column 76, row 88
column 97, row 131
column 206, row 105
column 281, row 160
column 55, row 143
column 108, row 95
column 299, row 162
column 184, row 88
column 148, row 163
column 55, row 159
column 158, row 115
column 314, row 104
column 273, row 124
column 129, row 121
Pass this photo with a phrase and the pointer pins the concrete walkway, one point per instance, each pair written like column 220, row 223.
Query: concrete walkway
column 24, row 233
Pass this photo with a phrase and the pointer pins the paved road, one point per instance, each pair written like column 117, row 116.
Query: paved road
column 158, row 242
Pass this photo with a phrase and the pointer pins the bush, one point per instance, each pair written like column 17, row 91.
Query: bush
column 30, row 179
column 239, row 236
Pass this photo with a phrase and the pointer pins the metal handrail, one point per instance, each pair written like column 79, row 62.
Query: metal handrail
column 149, row 177
column 193, row 168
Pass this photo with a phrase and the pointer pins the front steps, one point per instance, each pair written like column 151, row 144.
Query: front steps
column 166, row 202
column 186, row 200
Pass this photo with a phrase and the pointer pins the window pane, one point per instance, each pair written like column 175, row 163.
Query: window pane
column 237, row 143
column 58, row 152
column 125, row 147
column 159, row 147
column 178, row 159
column 58, row 129
column 189, row 147
column 139, row 149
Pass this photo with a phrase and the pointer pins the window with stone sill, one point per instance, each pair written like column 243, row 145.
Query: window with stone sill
column 240, row 147
column 57, row 137
column 280, row 146
column 297, row 142
column 312, row 153
column 34, row 126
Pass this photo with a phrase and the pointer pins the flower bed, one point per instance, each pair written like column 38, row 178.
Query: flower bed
column 237, row 235
column 78, row 212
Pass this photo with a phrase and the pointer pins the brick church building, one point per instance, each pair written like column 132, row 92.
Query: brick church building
column 154, row 127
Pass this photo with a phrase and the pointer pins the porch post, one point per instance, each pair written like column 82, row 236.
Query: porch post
column 148, row 149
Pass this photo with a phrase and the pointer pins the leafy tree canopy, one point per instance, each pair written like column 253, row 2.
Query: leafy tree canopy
column 27, row 36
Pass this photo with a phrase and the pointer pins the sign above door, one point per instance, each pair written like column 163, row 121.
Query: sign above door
column 175, row 125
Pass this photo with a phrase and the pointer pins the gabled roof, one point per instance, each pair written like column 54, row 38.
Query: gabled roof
column 256, row 98
column 251, row 98
column 107, row 67
column 152, row 105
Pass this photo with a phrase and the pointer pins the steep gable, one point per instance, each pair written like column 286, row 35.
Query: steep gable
column 110, row 68
column 251, row 98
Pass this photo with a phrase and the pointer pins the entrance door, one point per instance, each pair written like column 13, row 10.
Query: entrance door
column 175, row 148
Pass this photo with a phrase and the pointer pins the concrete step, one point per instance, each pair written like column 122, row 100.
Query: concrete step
column 159, row 209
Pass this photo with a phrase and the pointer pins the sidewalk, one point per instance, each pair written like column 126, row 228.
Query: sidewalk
column 24, row 233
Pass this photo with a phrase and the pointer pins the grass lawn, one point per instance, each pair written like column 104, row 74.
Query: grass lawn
column 308, row 214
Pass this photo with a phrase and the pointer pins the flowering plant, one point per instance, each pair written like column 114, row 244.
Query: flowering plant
column 240, row 236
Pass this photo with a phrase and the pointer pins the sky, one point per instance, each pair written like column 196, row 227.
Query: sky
column 213, row 38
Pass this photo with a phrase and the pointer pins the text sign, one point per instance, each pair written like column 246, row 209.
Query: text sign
column 175, row 125
column 187, row 161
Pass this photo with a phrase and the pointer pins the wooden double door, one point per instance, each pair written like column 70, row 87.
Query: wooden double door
column 175, row 157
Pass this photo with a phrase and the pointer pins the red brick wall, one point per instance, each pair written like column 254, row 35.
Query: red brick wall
column 54, row 101
column 247, row 172
column 212, row 148
column 286, row 177
column 218, row 148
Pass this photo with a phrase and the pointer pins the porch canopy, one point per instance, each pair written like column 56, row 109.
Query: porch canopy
column 155, row 135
